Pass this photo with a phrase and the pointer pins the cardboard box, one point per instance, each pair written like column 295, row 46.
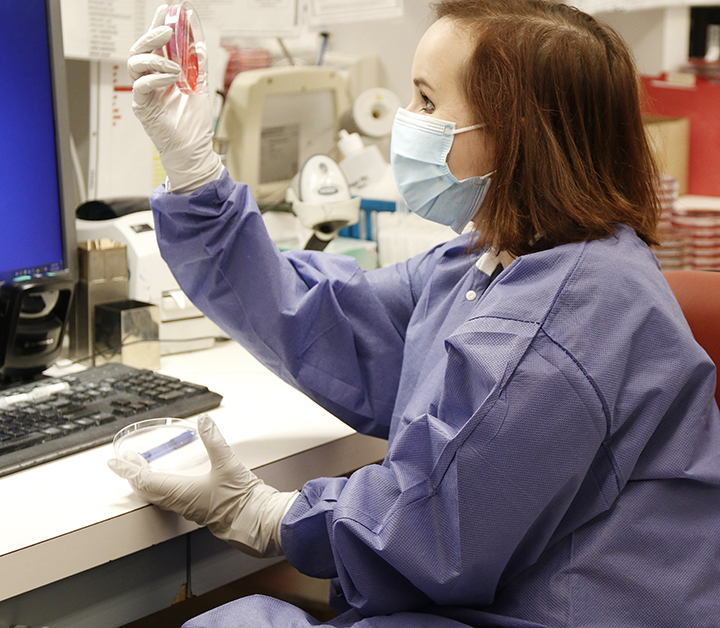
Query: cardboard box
column 670, row 137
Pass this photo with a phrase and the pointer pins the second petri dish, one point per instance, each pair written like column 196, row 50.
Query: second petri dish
column 168, row 444
column 183, row 47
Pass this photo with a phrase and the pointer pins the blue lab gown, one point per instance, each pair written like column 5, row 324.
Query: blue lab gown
column 554, row 442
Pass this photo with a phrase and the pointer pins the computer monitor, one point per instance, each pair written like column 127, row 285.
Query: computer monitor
column 37, row 239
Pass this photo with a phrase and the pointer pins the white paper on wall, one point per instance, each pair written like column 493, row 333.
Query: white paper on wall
column 327, row 12
column 105, row 29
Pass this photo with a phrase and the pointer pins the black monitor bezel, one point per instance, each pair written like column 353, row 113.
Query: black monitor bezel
column 67, row 191
column 61, row 118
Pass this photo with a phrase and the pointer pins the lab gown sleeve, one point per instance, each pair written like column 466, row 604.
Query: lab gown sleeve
column 460, row 506
column 322, row 324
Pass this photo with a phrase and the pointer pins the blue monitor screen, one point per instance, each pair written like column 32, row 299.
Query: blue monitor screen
column 31, row 237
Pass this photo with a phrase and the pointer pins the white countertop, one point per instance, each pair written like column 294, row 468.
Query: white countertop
column 72, row 514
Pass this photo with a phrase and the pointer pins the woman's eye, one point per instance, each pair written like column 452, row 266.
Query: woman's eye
column 429, row 106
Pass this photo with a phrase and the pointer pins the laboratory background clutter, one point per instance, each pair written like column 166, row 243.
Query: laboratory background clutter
column 304, row 94
column 361, row 51
column 294, row 79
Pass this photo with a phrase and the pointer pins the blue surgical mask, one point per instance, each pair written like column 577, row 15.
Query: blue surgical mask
column 418, row 153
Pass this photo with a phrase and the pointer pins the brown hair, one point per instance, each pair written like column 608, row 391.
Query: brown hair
column 560, row 96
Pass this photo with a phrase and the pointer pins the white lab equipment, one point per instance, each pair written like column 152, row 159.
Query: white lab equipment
column 320, row 197
column 274, row 119
column 182, row 326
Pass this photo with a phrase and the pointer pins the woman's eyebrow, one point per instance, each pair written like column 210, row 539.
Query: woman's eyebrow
column 421, row 82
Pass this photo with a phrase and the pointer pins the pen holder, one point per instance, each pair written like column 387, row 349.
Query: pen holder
column 128, row 332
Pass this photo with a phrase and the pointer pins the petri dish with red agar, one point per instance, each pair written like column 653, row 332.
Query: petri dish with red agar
column 183, row 47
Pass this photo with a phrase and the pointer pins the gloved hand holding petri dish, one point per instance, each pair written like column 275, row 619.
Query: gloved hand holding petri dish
column 192, row 471
column 169, row 68
column 168, row 444
column 187, row 47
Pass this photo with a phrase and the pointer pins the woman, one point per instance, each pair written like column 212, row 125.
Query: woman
column 554, row 443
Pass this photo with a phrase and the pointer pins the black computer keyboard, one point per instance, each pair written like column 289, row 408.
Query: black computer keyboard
column 58, row 416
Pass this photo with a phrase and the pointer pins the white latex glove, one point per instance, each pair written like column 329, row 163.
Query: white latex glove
column 180, row 125
column 230, row 500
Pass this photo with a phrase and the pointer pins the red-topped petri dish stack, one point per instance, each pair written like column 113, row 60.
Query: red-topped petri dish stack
column 243, row 59
column 667, row 195
column 698, row 218
column 673, row 251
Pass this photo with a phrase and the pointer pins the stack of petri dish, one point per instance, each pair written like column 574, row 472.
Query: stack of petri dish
column 242, row 59
column 674, row 246
column 667, row 195
column 698, row 218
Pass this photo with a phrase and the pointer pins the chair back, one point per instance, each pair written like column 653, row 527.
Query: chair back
column 698, row 293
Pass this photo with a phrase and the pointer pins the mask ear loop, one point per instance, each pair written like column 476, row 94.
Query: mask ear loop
column 465, row 129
